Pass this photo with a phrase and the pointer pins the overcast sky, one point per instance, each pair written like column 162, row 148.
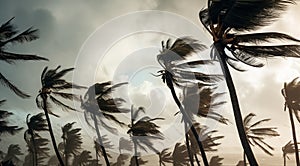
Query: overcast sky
column 104, row 43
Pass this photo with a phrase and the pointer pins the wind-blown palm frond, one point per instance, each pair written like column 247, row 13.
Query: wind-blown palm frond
column 165, row 157
column 291, row 93
column 4, row 127
column 12, row 154
column 288, row 148
column 180, row 155
column 215, row 161
column 83, row 159
column 105, row 143
column 40, row 147
column 256, row 134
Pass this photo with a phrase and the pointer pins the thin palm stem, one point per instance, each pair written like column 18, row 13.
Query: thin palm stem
column 44, row 97
column 187, row 120
column 66, row 156
column 284, row 160
column 134, row 140
column 34, row 151
column 294, row 137
column 235, row 105
column 245, row 158
column 100, row 140
column 197, row 160
column 188, row 144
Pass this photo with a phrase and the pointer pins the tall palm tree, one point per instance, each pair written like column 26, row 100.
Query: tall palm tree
column 292, row 102
column 35, row 124
column 4, row 127
column 177, row 71
column 288, row 148
column 225, row 20
column 52, row 85
column 72, row 141
column 38, row 152
column 256, row 134
column 142, row 131
column 10, row 35
column 99, row 106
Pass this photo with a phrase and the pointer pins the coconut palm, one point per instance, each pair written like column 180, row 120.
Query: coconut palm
column 72, row 141
column 180, row 155
column 12, row 154
column 226, row 21
column 256, row 134
column 35, row 124
column 37, row 152
column 292, row 102
column 165, row 157
column 177, row 71
column 4, row 127
column 52, row 86
column 142, row 131
column 288, row 148
column 99, row 106
column 10, row 35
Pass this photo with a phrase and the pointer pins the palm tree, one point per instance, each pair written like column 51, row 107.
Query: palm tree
column 35, row 124
column 180, row 155
column 10, row 35
column 256, row 134
column 52, row 85
column 288, row 148
column 99, row 106
column 12, row 154
column 142, row 130
column 180, row 73
column 4, row 128
column 38, row 152
column 98, row 147
column 225, row 20
column 72, row 141
column 292, row 102
column 84, row 159
column 165, row 157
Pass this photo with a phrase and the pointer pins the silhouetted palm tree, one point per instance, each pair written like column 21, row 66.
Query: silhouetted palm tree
column 215, row 161
column 84, row 159
column 179, row 72
column 72, row 141
column 10, row 35
column 37, row 153
column 165, row 157
column 52, row 84
column 256, row 134
column 180, row 155
column 291, row 93
column 142, row 131
column 288, row 148
column 12, row 154
column 225, row 20
column 4, row 128
column 99, row 106
column 35, row 124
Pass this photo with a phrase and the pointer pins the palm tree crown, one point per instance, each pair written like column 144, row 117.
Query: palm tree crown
column 10, row 35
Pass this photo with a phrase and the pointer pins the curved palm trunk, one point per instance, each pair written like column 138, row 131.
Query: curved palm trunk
column 188, row 145
column 245, row 159
column 186, row 118
column 294, row 137
column 44, row 97
column 100, row 140
column 235, row 104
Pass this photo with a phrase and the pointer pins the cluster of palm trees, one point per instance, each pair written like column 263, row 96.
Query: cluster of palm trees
column 194, row 92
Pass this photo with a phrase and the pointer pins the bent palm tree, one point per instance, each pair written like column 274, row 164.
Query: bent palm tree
column 72, row 141
column 4, row 128
column 52, row 85
column 38, row 152
column 142, row 131
column 256, row 134
column 292, row 102
column 12, row 154
column 179, row 72
column 288, row 148
column 221, row 18
column 99, row 105
column 35, row 124
column 10, row 35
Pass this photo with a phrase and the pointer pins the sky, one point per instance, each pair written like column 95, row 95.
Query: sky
column 119, row 40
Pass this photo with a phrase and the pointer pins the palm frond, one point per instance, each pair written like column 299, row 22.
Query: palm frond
column 28, row 35
column 60, row 104
column 257, row 38
column 12, row 87
column 7, row 30
column 10, row 57
column 215, row 161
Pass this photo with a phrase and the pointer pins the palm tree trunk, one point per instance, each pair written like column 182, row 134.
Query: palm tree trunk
column 34, row 151
column 235, row 104
column 188, row 144
column 97, row 159
column 135, row 153
column 66, row 156
column 294, row 137
column 284, row 160
column 244, row 159
column 197, row 160
column 100, row 140
column 186, row 118
column 44, row 97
